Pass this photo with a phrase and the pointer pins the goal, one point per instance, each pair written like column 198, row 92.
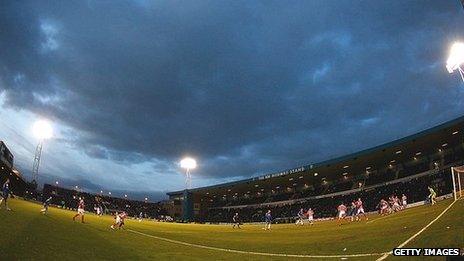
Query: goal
column 457, row 174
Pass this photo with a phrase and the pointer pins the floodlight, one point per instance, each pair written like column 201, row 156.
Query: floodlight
column 456, row 59
column 188, row 163
column 42, row 130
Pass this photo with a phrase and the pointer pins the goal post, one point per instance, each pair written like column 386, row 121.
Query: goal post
column 457, row 175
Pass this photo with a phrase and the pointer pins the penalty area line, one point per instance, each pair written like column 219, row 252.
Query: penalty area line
column 252, row 252
column 418, row 233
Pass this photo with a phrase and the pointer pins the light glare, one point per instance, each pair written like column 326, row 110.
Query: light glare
column 456, row 57
column 42, row 130
column 188, row 163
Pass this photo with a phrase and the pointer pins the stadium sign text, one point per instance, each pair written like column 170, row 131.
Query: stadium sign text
column 282, row 173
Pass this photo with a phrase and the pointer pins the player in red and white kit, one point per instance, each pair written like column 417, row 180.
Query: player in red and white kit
column 80, row 210
column 383, row 205
column 404, row 201
column 341, row 213
column 119, row 220
column 123, row 217
column 310, row 214
column 396, row 204
column 360, row 210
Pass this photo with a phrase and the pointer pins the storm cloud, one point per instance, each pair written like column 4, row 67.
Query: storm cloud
column 247, row 87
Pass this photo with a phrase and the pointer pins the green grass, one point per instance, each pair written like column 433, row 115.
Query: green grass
column 27, row 234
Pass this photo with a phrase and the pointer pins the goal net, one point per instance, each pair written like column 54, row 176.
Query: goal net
column 457, row 174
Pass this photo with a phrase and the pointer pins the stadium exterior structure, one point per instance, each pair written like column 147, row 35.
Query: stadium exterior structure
column 19, row 185
column 436, row 148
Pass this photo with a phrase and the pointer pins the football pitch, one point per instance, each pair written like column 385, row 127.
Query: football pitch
column 27, row 234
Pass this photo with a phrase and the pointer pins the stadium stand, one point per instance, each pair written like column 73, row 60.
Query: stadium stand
column 414, row 187
column 68, row 199
column 407, row 165
column 7, row 171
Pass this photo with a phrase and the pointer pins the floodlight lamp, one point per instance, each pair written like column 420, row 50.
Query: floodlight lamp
column 456, row 57
column 42, row 130
column 188, row 163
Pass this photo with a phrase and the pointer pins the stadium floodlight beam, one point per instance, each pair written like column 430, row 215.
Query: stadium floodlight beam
column 188, row 164
column 455, row 60
column 42, row 130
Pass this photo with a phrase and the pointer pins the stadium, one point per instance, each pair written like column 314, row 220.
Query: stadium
column 406, row 166
column 103, row 100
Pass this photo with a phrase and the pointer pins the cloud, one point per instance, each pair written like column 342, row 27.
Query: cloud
column 245, row 87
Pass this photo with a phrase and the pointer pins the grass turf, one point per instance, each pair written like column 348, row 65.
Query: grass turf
column 27, row 234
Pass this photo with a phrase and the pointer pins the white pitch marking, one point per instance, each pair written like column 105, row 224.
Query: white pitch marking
column 373, row 220
column 251, row 252
column 418, row 233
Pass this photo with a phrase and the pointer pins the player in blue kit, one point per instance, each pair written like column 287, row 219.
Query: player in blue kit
column 300, row 217
column 267, row 220
column 5, row 193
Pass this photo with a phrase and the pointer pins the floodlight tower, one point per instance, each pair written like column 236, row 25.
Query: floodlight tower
column 188, row 164
column 42, row 131
column 455, row 60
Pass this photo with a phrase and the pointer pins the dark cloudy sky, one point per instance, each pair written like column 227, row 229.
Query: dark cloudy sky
column 246, row 87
